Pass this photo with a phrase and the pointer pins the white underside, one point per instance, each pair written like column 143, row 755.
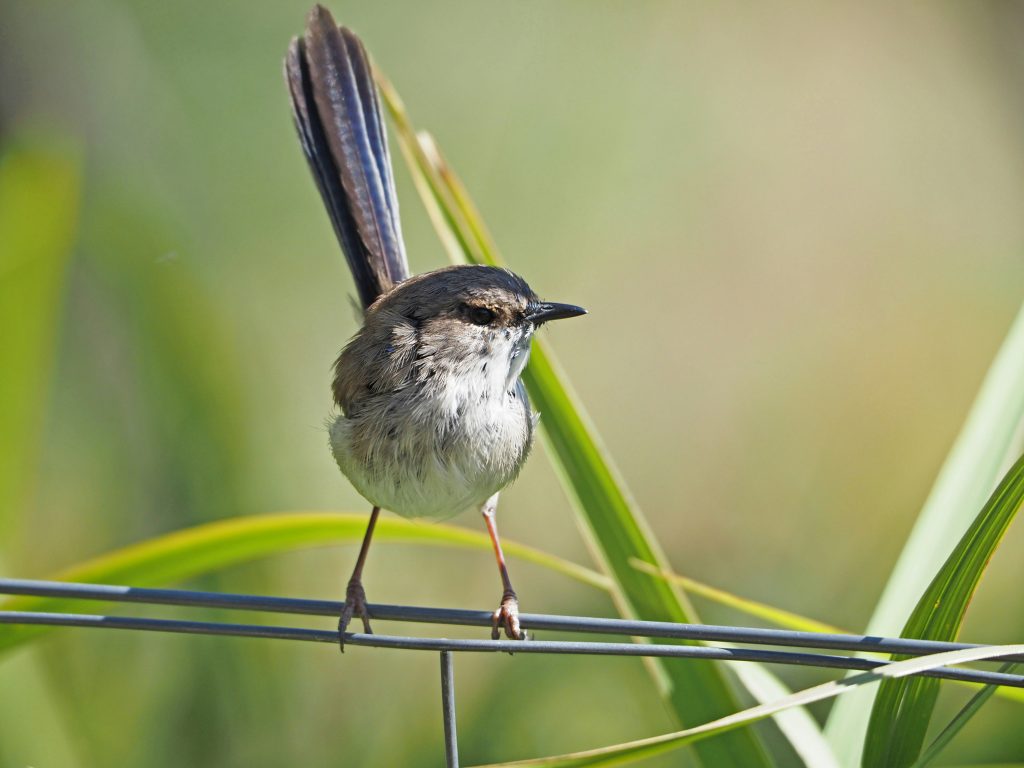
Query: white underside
column 439, row 491
column 412, row 477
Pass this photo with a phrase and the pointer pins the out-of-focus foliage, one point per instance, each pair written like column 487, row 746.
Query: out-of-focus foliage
column 798, row 233
column 39, row 188
column 39, row 199
column 903, row 709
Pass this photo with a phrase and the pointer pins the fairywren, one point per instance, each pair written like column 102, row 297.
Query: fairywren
column 434, row 417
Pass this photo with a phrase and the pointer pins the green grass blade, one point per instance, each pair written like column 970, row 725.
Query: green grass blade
column 903, row 709
column 622, row 754
column 210, row 547
column 612, row 524
column 969, row 710
column 981, row 452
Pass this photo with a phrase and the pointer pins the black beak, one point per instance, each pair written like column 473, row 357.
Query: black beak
column 542, row 311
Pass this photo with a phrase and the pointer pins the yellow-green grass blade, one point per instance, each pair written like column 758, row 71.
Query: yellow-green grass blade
column 903, row 708
column 206, row 548
column 612, row 524
column 623, row 754
column 982, row 451
column 777, row 616
column 210, row 547
column 39, row 183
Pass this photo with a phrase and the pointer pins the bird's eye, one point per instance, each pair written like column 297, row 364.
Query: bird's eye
column 480, row 315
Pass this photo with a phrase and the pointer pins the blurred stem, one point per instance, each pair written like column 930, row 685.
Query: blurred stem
column 40, row 180
column 39, row 201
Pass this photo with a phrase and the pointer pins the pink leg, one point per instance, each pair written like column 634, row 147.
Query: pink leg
column 507, row 615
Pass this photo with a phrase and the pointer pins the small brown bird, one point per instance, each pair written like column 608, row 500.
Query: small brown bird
column 434, row 417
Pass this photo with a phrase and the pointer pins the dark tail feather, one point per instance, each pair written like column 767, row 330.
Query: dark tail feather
column 337, row 114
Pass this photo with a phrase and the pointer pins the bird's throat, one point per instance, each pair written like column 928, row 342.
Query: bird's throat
column 518, row 359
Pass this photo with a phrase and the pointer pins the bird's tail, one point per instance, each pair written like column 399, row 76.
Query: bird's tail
column 337, row 114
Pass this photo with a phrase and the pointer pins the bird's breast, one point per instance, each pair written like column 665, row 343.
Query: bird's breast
column 436, row 449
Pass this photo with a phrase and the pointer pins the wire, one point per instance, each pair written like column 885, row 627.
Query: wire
column 332, row 608
column 485, row 646
column 451, row 741
column 661, row 630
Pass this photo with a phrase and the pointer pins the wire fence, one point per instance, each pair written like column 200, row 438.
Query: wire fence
column 816, row 648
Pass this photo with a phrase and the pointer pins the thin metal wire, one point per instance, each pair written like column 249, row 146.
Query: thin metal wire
column 489, row 646
column 180, row 597
column 451, row 741
column 535, row 621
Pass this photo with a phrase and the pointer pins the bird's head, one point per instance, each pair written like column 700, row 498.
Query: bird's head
column 467, row 316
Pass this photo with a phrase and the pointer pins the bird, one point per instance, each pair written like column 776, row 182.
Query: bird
column 432, row 416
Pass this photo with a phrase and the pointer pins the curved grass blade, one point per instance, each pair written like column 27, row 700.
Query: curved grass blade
column 205, row 548
column 611, row 523
column 903, row 709
column 982, row 451
column 622, row 754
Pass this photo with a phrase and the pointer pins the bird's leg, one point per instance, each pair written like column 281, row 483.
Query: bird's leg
column 507, row 615
column 355, row 597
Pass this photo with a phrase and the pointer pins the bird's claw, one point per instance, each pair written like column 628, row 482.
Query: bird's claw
column 507, row 618
column 355, row 605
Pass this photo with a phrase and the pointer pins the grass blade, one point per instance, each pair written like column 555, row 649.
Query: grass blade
column 978, row 458
column 903, row 709
column 612, row 524
column 209, row 547
column 796, row 723
column 621, row 754
column 969, row 710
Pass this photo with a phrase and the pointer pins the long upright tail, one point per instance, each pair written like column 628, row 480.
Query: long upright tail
column 337, row 114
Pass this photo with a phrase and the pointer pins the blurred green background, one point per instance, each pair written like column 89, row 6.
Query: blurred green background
column 798, row 230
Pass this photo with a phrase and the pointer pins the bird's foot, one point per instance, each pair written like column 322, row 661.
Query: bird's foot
column 507, row 618
column 355, row 605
